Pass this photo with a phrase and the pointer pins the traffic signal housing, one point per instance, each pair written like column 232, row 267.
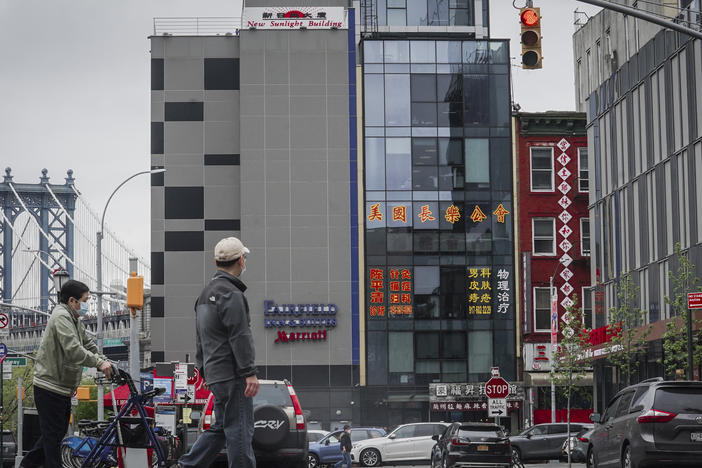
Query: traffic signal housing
column 530, row 19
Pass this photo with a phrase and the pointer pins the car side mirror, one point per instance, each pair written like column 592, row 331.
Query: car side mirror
column 435, row 437
column 596, row 417
column 636, row 409
column 528, row 436
column 392, row 436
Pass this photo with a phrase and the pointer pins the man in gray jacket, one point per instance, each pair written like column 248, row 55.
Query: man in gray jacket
column 225, row 356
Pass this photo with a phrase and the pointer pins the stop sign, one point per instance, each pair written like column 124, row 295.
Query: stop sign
column 497, row 387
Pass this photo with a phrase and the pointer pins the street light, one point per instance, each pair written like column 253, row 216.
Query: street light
column 59, row 277
column 99, row 236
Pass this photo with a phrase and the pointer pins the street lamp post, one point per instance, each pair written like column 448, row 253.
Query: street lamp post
column 59, row 277
column 99, row 236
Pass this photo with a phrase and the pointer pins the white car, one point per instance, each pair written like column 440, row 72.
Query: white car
column 408, row 442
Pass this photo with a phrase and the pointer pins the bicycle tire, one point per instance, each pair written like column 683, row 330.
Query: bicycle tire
column 68, row 460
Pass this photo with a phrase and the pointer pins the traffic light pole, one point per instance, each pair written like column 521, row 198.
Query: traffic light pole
column 651, row 18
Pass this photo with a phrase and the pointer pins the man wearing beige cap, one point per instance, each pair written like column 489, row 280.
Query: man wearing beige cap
column 225, row 356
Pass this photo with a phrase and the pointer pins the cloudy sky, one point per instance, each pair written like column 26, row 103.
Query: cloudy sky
column 74, row 78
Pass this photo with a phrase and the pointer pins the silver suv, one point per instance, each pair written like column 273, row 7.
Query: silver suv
column 653, row 423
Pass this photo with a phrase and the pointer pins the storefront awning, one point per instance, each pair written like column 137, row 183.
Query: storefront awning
column 543, row 379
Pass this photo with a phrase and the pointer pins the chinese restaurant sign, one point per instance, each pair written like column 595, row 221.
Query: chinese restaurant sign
column 468, row 397
column 390, row 292
column 295, row 18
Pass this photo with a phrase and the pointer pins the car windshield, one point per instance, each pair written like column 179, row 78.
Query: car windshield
column 685, row 400
column 272, row 394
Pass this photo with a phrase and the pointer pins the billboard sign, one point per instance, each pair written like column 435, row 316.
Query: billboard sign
column 295, row 18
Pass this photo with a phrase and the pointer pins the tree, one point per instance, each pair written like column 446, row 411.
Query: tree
column 675, row 350
column 9, row 415
column 627, row 329
column 572, row 361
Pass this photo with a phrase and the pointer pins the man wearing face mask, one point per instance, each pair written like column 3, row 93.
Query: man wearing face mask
column 225, row 356
column 64, row 350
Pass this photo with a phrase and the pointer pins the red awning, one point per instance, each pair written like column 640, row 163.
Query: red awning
column 121, row 394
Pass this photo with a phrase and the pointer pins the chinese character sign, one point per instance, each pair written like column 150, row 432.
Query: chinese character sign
column 400, row 292
column 422, row 214
column 503, row 291
column 479, row 291
column 376, row 300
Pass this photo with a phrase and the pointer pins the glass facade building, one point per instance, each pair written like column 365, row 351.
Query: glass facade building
column 428, row 12
column 439, row 241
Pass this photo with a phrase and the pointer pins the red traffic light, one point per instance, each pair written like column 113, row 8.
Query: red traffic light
column 529, row 17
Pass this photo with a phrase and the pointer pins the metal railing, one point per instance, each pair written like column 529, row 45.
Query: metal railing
column 197, row 26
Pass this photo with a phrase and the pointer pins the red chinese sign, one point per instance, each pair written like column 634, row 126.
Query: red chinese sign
column 470, row 406
column 390, row 292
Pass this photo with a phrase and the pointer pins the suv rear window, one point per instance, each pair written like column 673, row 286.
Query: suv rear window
column 479, row 431
column 272, row 394
column 685, row 400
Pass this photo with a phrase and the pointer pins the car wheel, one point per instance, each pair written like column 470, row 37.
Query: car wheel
column 591, row 461
column 312, row 461
column 626, row 458
column 370, row 457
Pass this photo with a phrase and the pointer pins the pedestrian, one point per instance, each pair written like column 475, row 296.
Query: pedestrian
column 346, row 446
column 64, row 350
column 225, row 357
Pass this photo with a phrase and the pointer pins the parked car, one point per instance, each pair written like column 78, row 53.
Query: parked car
column 315, row 435
column 280, row 432
column 408, row 442
column 542, row 441
column 9, row 448
column 328, row 451
column 653, row 423
column 472, row 444
column 579, row 444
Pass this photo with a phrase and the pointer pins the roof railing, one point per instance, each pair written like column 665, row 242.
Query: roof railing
column 197, row 26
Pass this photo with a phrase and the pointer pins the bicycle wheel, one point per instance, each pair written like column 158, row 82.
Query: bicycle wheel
column 68, row 460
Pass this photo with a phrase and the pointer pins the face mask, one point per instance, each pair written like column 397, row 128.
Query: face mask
column 243, row 270
column 83, row 309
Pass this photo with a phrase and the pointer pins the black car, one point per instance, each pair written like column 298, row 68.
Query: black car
column 9, row 448
column 653, row 423
column 472, row 444
column 280, row 430
column 543, row 441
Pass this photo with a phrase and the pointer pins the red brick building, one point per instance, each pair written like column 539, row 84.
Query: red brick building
column 554, row 240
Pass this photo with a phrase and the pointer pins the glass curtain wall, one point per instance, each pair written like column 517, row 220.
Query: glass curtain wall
column 438, row 191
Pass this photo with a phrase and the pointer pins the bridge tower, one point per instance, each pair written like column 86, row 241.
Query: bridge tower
column 56, row 233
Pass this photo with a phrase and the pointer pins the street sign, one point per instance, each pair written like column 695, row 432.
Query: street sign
column 694, row 300
column 3, row 352
column 497, row 387
column 497, row 407
column 16, row 361
column 4, row 320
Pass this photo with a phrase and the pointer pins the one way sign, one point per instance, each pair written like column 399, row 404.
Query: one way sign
column 497, row 407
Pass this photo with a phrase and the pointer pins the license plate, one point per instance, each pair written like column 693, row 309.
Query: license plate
column 696, row 436
column 483, row 448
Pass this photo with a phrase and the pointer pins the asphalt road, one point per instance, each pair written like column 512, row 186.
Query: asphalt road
column 552, row 464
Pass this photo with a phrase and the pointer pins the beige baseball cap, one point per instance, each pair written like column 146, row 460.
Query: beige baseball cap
column 229, row 248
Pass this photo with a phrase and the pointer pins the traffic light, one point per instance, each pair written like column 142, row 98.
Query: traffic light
column 530, row 18
column 135, row 293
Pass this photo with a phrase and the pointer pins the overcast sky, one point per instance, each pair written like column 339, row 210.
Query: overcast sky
column 75, row 83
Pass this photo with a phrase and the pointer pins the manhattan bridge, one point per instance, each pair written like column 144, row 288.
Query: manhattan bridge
column 49, row 226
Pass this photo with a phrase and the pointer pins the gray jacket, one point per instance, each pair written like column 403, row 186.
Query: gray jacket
column 225, row 347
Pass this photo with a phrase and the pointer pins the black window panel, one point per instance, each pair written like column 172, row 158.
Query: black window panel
column 426, row 306
column 157, row 306
column 222, row 160
column 501, row 164
column 184, row 202
column 451, row 151
column 185, row 241
column 453, row 242
column 453, row 345
column 453, row 306
column 222, row 73
column 449, row 88
column 156, row 74
column 427, row 345
column 450, row 114
column 458, row 226
column 426, row 241
column 156, row 137
column 156, row 267
column 476, row 99
column 423, row 88
column 185, row 111
column 222, row 225
column 425, row 178
column 424, row 151
column 424, row 114
column 158, row 356
column 157, row 179
column 453, row 280
column 375, row 242
column 399, row 240
column 451, row 177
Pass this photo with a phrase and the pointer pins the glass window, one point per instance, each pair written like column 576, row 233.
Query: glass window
column 428, row 367
column 459, row 17
column 397, row 17
column 426, row 280
column 397, row 100
column 400, row 347
column 542, row 309
column 557, row 428
column 451, row 152
column 427, row 345
column 475, row 52
column 438, row 13
column 449, row 88
column 424, row 114
column 399, row 242
column 476, row 98
column 585, row 236
column 424, row 430
column 375, row 164
column 448, row 51
column 426, row 215
column 425, row 178
column 480, row 351
column 404, row 432
column 583, row 184
column 417, row 13
column 611, row 411
column 398, row 161
column 541, row 169
column 499, row 101
column 624, row 401
column 373, row 51
column 422, row 51
column 396, row 3
column 396, row 51
column 423, row 88
column 453, row 371
column 544, row 236
column 586, row 301
column 478, row 161
column 424, row 151
column 453, row 345
column 374, row 100
column 426, row 306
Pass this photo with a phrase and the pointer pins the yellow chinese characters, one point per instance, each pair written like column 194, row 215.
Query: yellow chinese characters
column 479, row 291
column 375, row 213
column 477, row 215
column 453, row 215
column 500, row 212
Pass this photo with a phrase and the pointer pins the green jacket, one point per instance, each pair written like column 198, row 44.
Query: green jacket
column 64, row 350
